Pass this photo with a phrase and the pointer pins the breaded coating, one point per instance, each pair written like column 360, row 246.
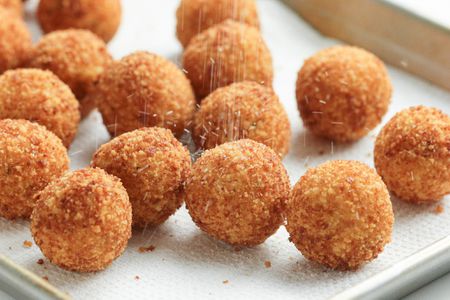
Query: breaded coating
column 194, row 16
column 15, row 41
column 144, row 90
column 153, row 167
column 39, row 96
column 412, row 154
column 226, row 53
column 15, row 6
column 239, row 111
column 77, row 57
column 102, row 17
column 340, row 214
column 237, row 192
column 82, row 221
column 343, row 92
column 30, row 158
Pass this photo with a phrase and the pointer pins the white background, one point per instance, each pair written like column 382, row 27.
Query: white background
column 187, row 264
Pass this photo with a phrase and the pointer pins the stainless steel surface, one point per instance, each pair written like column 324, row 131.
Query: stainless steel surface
column 404, row 277
column 20, row 283
column 399, row 36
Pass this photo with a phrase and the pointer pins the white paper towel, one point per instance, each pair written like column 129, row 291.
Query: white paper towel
column 187, row 264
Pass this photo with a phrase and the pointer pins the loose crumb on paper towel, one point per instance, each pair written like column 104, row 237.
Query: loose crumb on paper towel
column 27, row 244
column 267, row 264
column 40, row 261
column 45, row 278
column 225, row 281
column 137, row 277
column 150, row 248
column 439, row 209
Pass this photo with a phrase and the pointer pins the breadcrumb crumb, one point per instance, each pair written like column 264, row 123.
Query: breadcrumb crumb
column 150, row 248
column 27, row 244
column 267, row 264
column 40, row 261
column 439, row 209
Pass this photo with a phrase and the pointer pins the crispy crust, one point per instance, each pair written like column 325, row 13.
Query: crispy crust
column 30, row 157
column 82, row 221
column 15, row 6
column 194, row 16
column 412, row 154
column 243, row 110
column 39, row 96
column 102, row 17
column 144, row 90
column 343, row 92
column 226, row 53
column 237, row 192
column 15, row 41
column 340, row 214
column 77, row 57
column 153, row 167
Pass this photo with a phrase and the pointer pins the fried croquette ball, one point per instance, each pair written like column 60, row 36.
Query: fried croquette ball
column 342, row 93
column 82, row 220
column 243, row 110
column 144, row 90
column 15, row 6
column 153, row 167
column 15, row 41
column 194, row 16
column 77, row 57
column 39, row 96
column 237, row 192
column 226, row 53
column 30, row 158
column 412, row 154
column 102, row 17
column 340, row 214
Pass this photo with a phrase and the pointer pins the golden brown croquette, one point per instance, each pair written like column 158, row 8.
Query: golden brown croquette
column 412, row 154
column 15, row 41
column 77, row 57
column 242, row 110
column 237, row 192
column 144, row 90
column 226, row 53
column 30, row 157
column 82, row 220
column 340, row 214
column 15, row 6
column 153, row 167
column 343, row 92
column 102, row 17
column 194, row 16
column 39, row 96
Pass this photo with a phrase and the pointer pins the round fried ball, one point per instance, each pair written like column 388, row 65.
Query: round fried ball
column 194, row 16
column 340, row 214
column 15, row 41
column 243, row 110
column 82, row 221
column 144, row 90
column 412, row 154
column 39, row 96
column 153, row 167
column 15, row 6
column 30, row 157
column 226, row 53
column 342, row 93
column 102, row 17
column 237, row 192
column 77, row 57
